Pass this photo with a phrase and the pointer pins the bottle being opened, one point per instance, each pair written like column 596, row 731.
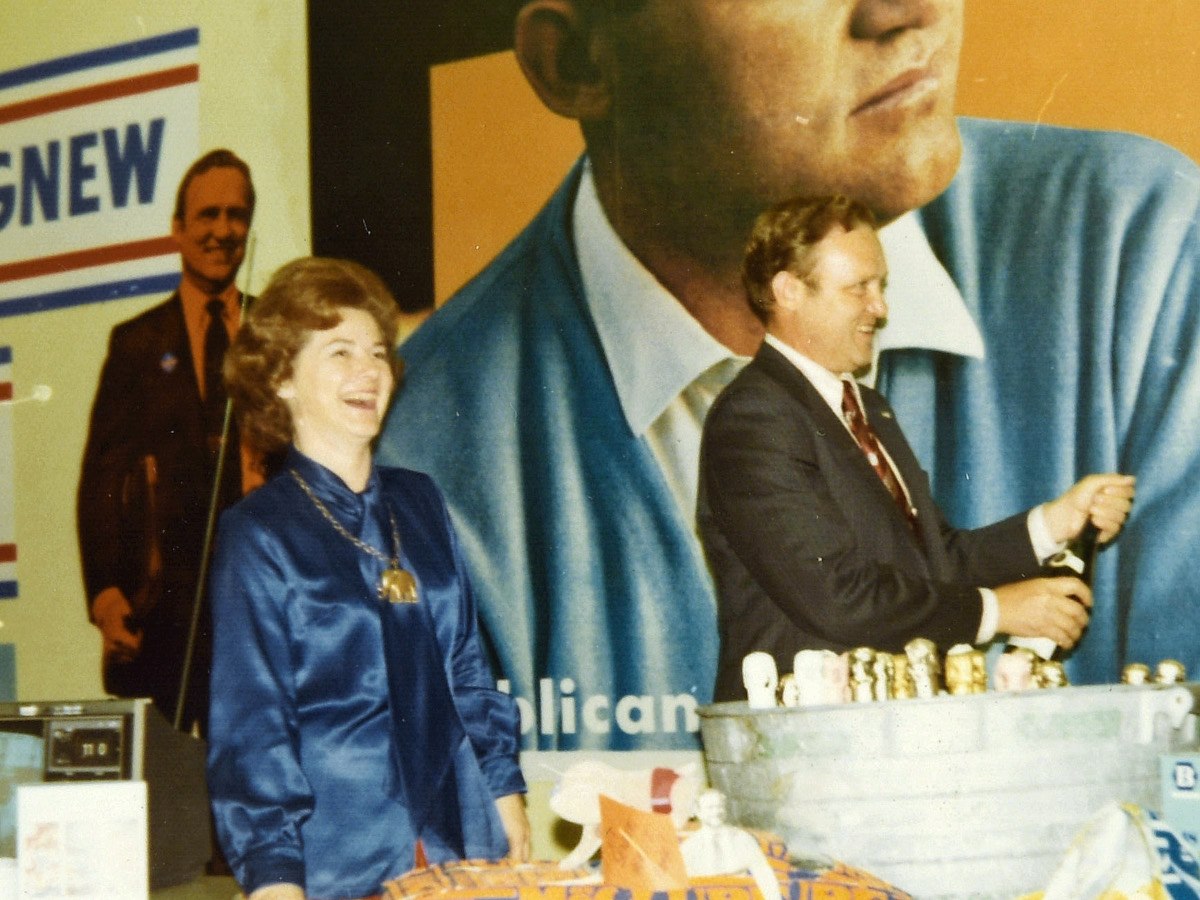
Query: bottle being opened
column 1077, row 559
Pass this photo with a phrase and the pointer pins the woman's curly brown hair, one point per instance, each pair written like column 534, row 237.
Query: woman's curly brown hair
column 303, row 296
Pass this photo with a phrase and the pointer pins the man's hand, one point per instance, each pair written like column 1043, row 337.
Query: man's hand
column 516, row 825
column 1104, row 499
column 110, row 611
column 1056, row 608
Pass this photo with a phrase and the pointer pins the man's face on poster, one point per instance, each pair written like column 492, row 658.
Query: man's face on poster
column 212, row 233
column 748, row 101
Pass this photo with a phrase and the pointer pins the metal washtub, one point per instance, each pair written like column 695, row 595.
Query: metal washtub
column 952, row 796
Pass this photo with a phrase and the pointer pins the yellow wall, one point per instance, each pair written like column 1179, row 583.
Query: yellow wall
column 253, row 99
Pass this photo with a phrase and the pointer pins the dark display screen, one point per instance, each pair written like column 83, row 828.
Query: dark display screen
column 85, row 747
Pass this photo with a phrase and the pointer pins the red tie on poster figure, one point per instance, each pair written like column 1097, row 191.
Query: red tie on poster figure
column 868, row 442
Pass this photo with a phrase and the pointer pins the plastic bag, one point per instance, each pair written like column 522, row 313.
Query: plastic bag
column 1125, row 852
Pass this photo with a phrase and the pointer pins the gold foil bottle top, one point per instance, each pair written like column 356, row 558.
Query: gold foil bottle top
column 924, row 667
column 960, row 670
column 862, row 675
column 902, row 686
column 789, row 690
column 979, row 672
column 1135, row 673
column 1049, row 673
column 885, row 673
column 1170, row 671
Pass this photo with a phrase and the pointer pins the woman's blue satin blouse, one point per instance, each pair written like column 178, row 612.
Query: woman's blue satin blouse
column 344, row 727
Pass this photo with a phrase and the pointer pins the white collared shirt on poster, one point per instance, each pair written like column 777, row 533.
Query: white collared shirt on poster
column 668, row 370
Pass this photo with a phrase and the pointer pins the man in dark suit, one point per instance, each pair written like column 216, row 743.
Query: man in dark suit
column 156, row 437
column 816, row 519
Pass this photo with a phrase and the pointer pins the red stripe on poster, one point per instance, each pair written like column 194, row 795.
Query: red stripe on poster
column 82, row 259
column 97, row 93
column 5, row 390
column 8, row 553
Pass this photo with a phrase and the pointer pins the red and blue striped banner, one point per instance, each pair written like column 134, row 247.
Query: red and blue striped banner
column 92, row 147
column 8, row 530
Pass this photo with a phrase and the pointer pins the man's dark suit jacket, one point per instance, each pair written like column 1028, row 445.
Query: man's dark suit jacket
column 806, row 545
column 148, row 404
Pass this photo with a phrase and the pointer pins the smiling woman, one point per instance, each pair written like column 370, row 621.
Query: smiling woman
column 338, row 392
column 346, row 624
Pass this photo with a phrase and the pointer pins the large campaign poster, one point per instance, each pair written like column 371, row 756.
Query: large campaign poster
column 101, row 112
column 1074, row 252
column 91, row 146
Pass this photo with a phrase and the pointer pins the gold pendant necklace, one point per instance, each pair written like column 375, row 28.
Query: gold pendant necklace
column 396, row 585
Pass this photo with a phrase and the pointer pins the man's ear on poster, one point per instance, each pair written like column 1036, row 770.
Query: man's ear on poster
column 563, row 59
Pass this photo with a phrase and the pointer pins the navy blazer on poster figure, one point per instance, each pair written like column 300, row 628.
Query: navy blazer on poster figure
column 807, row 547
column 148, row 406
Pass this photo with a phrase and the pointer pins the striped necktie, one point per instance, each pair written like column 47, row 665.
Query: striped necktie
column 868, row 442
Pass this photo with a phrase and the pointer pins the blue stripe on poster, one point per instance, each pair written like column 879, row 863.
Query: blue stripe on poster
column 77, row 62
column 92, row 293
column 8, row 673
column 8, row 590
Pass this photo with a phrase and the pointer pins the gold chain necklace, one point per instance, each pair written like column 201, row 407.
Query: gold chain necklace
column 395, row 584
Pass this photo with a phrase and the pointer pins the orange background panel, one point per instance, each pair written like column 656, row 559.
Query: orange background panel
column 497, row 155
column 1127, row 65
